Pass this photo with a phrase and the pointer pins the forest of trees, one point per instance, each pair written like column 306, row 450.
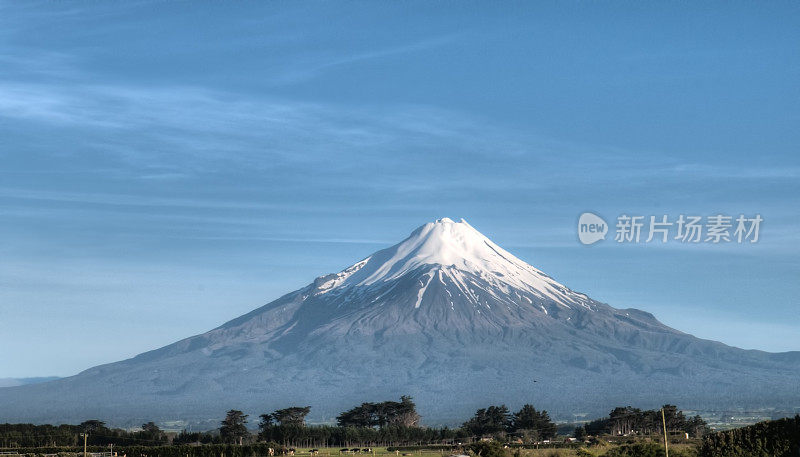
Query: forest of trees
column 389, row 423
column 397, row 423
column 29, row 435
column 776, row 438
column 527, row 423
column 628, row 420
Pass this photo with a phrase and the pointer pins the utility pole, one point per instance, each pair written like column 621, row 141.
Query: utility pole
column 85, row 436
column 664, row 423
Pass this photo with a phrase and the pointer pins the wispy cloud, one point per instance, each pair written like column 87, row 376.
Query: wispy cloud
column 313, row 66
column 726, row 171
column 102, row 198
column 186, row 130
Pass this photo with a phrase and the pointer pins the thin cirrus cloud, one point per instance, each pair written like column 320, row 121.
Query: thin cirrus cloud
column 152, row 136
column 177, row 130
column 314, row 66
column 146, row 123
column 151, row 129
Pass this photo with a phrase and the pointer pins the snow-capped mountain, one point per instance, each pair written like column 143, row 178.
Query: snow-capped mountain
column 446, row 316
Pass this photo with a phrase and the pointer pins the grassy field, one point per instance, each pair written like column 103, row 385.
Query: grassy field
column 675, row 449
column 604, row 449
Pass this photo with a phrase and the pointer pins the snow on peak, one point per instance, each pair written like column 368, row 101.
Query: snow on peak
column 443, row 242
column 458, row 247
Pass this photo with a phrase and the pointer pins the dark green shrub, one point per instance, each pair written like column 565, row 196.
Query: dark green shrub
column 487, row 449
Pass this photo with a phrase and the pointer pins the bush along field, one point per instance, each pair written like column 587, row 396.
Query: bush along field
column 393, row 429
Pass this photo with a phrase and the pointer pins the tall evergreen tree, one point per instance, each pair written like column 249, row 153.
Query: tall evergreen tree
column 151, row 432
column 405, row 413
column 528, row 418
column 494, row 419
column 233, row 429
column 265, row 427
column 579, row 433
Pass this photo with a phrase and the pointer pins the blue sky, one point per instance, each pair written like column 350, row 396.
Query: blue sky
column 165, row 167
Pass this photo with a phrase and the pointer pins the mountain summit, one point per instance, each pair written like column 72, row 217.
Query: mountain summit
column 447, row 248
column 446, row 316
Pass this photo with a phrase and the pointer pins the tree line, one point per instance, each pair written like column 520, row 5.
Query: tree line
column 634, row 421
column 29, row 435
column 775, row 438
column 388, row 423
column 286, row 427
column 527, row 424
